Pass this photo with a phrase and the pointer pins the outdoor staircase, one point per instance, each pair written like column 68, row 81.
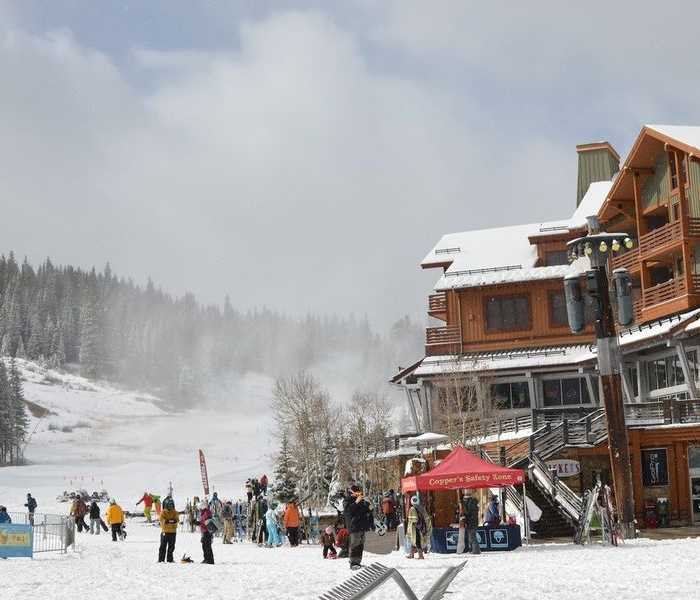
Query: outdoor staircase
column 561, row 506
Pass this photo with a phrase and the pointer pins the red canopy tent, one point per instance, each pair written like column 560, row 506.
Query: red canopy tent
column 461, row 469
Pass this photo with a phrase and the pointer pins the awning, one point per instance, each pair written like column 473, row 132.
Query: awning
column 461, row 469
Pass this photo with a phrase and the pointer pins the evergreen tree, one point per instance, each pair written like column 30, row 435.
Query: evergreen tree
column 6, row 428
column 18, row 408
column 285, row 488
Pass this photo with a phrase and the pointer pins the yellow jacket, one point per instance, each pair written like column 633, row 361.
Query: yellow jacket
column 114, row 514
column 169, row 520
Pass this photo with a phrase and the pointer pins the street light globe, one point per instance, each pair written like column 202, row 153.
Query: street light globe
column 615, row 246
column 628, row 243
column 603, row 247
column 588, row 249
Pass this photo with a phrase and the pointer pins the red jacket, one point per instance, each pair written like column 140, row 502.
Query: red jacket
column 147, row 501
column 204, row 516
column 341, row 538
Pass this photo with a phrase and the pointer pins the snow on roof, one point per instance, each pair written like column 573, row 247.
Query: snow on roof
column 656, row 328
column 498, row 360
column 686, row 134
column 590, row 203
column 424, row 438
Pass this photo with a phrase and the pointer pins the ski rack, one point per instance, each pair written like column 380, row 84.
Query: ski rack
column 370, row 578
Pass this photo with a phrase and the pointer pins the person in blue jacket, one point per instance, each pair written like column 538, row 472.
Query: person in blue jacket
column 493, row 514
column 4, row 517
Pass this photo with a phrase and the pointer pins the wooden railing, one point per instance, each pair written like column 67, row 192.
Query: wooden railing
column 637, row 310
column 695, row 282
column 659, row 238
column 694, row 227
column 437, row 303
column 669, row 290
column 628, row 260
column 663, row 411
column 442, row 335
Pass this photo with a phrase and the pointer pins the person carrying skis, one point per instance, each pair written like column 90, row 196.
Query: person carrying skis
column 227, row 516
column 78, row 511
column 115, row 518
column 205, row 517
column 147, row 500
column 4, row 517
column 31, row 507
column 493, row 514
column 292, row 520
column 419, row 527
column 328, row 542
column 273, row 526
column 169, row 520
column 94, row 518
column 359, row 519
column 470, row 509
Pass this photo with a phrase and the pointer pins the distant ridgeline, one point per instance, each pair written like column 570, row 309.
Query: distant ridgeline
column 116, row 330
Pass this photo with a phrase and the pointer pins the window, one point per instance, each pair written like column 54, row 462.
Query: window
column 507, row 313
column 634, row 381
column 684, row 169
column 565, row 392
column 668, row 371
column 507, row 396
column 674, row 173
column 557, row 309
column 552, row 258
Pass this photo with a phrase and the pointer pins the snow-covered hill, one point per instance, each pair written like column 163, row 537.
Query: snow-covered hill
column 91, row 435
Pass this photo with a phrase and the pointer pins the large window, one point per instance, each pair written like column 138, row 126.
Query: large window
column 507, row 313
column 667, row 371
column 552, row 258
column 565, row 392
column 507, row 396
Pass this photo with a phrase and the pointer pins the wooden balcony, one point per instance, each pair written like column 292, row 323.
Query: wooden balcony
column 628, row 260
column 660, row 240
column 437, row 305
column 664, row 292
column 442, row 340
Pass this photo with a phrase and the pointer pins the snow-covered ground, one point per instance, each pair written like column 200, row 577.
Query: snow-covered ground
column 95, row 435
column 641, row 570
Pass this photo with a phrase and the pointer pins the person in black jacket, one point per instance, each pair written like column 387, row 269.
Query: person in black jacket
column 31, row 507
column 470, row 507
column 94, row 518
column 358, row 520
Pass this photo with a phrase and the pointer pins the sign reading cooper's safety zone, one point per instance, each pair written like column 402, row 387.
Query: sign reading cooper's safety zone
column 15, row 540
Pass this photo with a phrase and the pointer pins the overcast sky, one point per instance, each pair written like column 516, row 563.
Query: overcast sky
column 307, row 155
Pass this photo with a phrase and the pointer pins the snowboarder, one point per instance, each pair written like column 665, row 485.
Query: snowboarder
column 4, row 517
column 292, row 519
column 31, row 507
column 205, row 525
column 419, row 527
column 470, row 508
column 169, row 520
column 328, row 541
column 94, row 518
column 359, row 519
column 273, row 526
column 493, row 514
column 115, row 519
column 78, row 510
column 147, row 500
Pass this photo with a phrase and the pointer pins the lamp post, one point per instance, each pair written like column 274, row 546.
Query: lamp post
column 598, row 247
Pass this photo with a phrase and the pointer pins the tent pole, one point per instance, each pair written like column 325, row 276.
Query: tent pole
column 526, row 524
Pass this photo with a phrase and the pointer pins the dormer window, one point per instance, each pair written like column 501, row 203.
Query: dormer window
column 553, row 258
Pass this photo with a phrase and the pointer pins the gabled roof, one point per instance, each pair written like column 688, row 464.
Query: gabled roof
column 688, row 135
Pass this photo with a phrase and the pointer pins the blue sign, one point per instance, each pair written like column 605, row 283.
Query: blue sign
column 451, row 539
column 481, row 539
column 16, row 540
column 499, row 538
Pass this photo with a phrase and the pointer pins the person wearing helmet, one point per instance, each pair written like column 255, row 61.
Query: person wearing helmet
column 328, row 541
column 115, row 518
column 169, row 520
column 205, row 517
column 419, row 527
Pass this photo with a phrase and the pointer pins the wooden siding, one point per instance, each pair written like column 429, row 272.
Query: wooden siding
column 693, row 191
column 544, row 247
column 594, row 165
column 656, row 189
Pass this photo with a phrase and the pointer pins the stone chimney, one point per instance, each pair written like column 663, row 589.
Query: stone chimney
column 596, row 162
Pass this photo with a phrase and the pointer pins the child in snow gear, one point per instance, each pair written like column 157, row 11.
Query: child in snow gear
column 204, row 520
column 31, row 507
column 147, row 500
column 4, row 517
column 419, row 527
column 342, row 541
column 94, row 518
column 78, row 511
column 169, row 520
column 359, row 519
column 328, row 541
column 273, row 526
column 292, row 520
column 115, row 519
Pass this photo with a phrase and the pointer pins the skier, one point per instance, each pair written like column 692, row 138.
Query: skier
column 77, row 511
column 273, row 526
column 493, row 514
column 328, row 541
column 358, row 517
column 470, row 507
column 204, row 524
column 227, row 515
column 418, row 528
column 147, row 500
column 115, row 518
column 169, row 520
column 94, row 518
column 292, row 519
column 31, row 507
column 4, row 517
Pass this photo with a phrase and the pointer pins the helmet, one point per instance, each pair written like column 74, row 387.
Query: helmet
column 415, row 500
column 169, row 503
column 329, row 530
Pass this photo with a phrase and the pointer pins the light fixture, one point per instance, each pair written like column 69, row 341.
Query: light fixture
column 615, row 246
column 628, row 243
column 588, row 249
column 603, row 247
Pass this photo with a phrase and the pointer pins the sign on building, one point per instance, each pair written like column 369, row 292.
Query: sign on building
column 654, row 467
column 16, row 541
column 564, row 467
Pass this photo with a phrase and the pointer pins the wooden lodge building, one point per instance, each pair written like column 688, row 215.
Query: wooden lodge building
column 500, row 317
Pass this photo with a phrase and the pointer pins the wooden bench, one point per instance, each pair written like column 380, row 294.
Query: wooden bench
column 367, row 580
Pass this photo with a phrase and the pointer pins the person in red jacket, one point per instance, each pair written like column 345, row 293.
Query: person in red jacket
column 204, row 516
column 147, row 500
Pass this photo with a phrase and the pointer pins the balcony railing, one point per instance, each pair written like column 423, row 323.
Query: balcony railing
column 663, row 411
column 658, row 239
column 669, row 290
column 437, row 303
column 628, row 260
column 694, row 227
column 442, row 335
